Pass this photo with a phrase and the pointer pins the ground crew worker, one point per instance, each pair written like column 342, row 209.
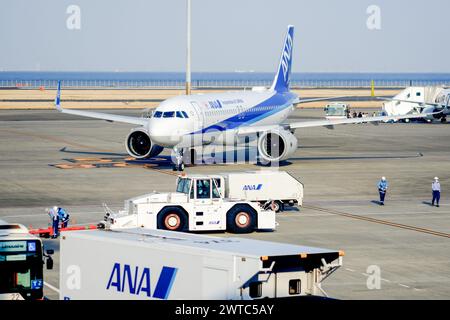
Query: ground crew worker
column 64, row 217
column 382, row 189
column 436, row 188
column 53, row 213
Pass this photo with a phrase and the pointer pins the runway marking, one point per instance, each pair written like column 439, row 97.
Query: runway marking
column 51, row 287
column 379, row 221
column 116, row 162
column 386, row 280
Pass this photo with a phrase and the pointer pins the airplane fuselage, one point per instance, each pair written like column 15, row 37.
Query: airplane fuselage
column 183, row 119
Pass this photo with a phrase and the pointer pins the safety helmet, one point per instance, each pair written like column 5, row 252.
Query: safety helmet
column 383, row 178
column 55, row 208
column 436, row 178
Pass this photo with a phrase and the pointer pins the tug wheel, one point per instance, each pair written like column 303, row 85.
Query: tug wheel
column 241, row 219
column 173, row 219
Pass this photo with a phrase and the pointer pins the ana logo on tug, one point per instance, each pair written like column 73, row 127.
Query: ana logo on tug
column 252, row 187
column 137, row 282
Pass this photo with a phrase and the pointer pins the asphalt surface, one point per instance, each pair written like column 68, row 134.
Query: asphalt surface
column 340, row 169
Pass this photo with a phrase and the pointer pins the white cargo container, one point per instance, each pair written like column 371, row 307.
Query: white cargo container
column 272, row 188
column 159, row 264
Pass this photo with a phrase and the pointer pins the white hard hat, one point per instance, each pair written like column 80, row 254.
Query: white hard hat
column 383, row 178
column 436, row 178
column 55, row 208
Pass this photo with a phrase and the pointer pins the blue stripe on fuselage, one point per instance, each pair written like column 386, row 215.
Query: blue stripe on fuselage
column 269, row 107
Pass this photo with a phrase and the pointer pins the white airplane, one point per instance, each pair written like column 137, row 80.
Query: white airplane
column 412, row 100
column 186, row 121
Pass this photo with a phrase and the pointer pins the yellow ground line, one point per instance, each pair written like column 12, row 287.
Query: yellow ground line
column 379, row 221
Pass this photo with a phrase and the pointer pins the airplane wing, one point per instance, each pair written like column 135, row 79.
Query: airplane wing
column 328, row 123
column 97, row 115
column 317, row 99
column 416, row 102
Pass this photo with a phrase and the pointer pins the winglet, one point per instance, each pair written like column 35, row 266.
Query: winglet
column 58, row 97
column 282, row 77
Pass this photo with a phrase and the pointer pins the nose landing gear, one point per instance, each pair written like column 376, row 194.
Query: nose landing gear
column 178, row 164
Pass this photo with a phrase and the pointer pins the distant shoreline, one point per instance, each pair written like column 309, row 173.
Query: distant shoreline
column 35, row 99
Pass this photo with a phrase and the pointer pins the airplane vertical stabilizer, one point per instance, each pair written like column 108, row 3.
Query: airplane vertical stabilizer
column 282, row 77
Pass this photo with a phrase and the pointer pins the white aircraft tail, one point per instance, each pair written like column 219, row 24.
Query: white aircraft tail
column 282, row 77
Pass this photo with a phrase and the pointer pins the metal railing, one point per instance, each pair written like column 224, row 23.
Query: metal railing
column 213, row 84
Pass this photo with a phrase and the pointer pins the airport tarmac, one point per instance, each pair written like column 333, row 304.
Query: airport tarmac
column 340, row 169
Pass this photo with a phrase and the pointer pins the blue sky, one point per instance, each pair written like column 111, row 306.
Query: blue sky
column 145, row 35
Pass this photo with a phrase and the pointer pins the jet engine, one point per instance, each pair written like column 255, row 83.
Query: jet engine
column 431, row 109
column 140, row 146
column 276, row 145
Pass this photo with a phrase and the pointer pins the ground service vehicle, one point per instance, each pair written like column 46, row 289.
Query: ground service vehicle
column 197, row 205
column 21, row 263
column 159, row 264
column 272, row 189
column 337, row 110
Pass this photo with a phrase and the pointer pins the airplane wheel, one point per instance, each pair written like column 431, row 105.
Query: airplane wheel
column 241, row 219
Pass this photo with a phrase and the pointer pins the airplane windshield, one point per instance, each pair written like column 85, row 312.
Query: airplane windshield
column 169, row 114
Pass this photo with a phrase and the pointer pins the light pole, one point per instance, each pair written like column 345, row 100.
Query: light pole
column 188, row 48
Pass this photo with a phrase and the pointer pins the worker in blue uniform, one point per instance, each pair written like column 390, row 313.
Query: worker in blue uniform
column 382, row 189
column 436, row 189
column 53, row 213
column 64, row 217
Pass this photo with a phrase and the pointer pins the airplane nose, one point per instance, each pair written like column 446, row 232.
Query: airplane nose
column 163, row 132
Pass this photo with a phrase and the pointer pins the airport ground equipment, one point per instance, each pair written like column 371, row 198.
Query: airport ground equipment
column 337, row 110
column 432, row 101
column 159, row 264
column 272, row 189
column 48, row 232
column 198, row 205
column 21, row 263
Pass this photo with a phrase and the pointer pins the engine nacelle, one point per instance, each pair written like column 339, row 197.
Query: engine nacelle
column 140, row 146
column 276, row 145
column 431, row 109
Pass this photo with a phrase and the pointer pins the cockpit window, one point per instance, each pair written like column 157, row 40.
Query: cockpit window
column 169, row 114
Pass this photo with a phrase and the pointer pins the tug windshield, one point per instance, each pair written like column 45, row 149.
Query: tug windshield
column 183, row 185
